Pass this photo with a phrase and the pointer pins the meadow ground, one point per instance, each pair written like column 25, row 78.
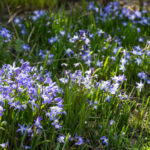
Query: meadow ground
column 77, row 79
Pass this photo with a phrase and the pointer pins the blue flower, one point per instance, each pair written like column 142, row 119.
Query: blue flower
column 61, row 139
column 25, row 47
column 37, row 14
column 5, row 33
column 17, row 20
column 1, row 110
column 108, row 98
column 69, row 51
column 52, row 40
column 23, row 31
column 62, row 33
column 22, row 128
column 139, row 85
column 138, row 14
column 80, row 140
column 4, row 145
column 112, row 122
column 141, row 39
column 138, row 61
column 38, row 122
column 91, row 6
column 142, row 75
column 148, row 52
column 33, row 103
column 105, row 140
column 148, row 81
column 99, row 63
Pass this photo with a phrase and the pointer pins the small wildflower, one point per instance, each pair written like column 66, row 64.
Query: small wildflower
column 25, row 47
column 139, row 85
column 69, row 51
column 112, row 122
column 4, row 145
column 61, row 139
column 1, row 110
column 99, row 63
column 16, row 20
column 37, row 122
column 22, row 128
column 105, row 140
column 52, row 40
column 80, row 140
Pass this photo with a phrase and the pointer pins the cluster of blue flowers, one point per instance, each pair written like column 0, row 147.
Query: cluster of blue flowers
column 5, row 34
column 24, row 88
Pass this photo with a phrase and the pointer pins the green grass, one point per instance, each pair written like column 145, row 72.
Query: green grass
column 33, row 4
